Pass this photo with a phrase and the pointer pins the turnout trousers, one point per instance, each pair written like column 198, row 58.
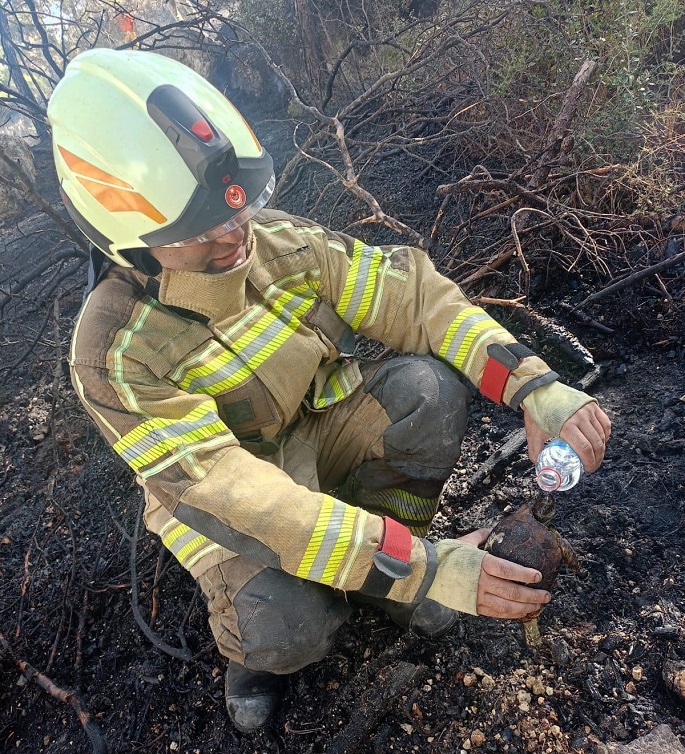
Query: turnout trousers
column 388, row 448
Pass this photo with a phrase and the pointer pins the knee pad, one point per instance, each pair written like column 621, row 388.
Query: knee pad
column 428, row 406
column 286, row 623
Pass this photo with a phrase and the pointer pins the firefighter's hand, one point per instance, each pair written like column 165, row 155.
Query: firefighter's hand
column 500, row 595
column 473, row 581
column 587, row 431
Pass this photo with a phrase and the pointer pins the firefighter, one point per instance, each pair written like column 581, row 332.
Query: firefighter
column 215, row 352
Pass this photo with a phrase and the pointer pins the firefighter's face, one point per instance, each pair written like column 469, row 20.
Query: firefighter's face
column 220, row 255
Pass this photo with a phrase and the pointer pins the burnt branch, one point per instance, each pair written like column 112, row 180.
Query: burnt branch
column 23, row 181
column 63, row 695
column 636, row 277
column 181, row 654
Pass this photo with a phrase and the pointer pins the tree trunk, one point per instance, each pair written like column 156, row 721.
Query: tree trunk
column 312, row 40
column 17, row 76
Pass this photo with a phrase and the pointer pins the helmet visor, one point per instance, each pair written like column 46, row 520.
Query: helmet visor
column 240, row 218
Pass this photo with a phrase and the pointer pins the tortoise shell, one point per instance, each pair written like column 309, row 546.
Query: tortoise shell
column 525, row 538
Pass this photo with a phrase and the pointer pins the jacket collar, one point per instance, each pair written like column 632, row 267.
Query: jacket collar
column 215, row 296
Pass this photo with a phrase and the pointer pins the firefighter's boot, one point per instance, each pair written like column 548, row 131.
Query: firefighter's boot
column 252, row 696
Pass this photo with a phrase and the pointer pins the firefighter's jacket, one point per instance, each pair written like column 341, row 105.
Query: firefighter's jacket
column 177, row 370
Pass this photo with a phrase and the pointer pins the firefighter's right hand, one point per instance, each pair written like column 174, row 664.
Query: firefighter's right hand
column 473, row 581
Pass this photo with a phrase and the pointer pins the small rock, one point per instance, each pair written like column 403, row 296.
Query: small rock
column 660, row 740
column 477, row 738
column 523, row 698
column 559, row 650
column 637, row 673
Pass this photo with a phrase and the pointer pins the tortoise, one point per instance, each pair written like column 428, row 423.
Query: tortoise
column 524, row 537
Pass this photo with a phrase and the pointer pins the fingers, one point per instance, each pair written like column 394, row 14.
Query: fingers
column 499, row 596
column 535, row 437
column 503, row 569
column 587, row 432
column 478, row 537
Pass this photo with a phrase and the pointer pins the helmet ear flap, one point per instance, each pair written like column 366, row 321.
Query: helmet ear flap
column 142, row 260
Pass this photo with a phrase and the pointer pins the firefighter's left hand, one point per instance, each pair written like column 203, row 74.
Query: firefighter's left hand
column 587, row 431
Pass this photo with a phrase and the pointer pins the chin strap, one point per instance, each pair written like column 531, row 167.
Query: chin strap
column 98, row 264
column 142, row 260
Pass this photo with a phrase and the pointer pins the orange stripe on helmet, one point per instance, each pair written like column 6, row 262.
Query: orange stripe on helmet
column 118, row 200
column 82, row 167
column 114, row 194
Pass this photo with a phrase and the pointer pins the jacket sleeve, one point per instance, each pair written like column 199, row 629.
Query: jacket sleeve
column 192, row 463
column 394, row 294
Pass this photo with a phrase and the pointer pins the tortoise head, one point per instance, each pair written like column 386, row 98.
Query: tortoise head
column 543, row 508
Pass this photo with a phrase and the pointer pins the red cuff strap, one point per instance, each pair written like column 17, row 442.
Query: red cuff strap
column 397, row 540
column 494, row 379
column 502, row 360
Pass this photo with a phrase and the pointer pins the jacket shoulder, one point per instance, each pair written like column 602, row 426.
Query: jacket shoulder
column 270, row 217
column 106, row 310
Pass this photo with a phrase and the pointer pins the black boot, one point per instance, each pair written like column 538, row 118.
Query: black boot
column 251, row 696
column 427, row 618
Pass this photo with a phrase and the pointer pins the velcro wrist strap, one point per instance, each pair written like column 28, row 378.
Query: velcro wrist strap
column 396, row 540
column 391, row 561
column 502, row 360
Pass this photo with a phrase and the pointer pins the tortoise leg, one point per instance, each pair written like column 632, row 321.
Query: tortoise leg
column 531, row 634
column 568, row 555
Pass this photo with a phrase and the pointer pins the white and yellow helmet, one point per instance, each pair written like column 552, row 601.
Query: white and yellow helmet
column 148, row 153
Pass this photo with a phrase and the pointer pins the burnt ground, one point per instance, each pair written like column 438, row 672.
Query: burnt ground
column 76, row 571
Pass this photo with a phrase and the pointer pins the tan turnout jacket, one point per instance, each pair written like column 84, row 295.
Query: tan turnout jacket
column 177, row 371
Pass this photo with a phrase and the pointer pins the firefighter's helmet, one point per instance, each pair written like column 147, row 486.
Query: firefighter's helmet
column 149, row 153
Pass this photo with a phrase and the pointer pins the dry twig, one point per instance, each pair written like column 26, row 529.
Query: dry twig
column 632, row 279
column 181, row 654
column 69, row 697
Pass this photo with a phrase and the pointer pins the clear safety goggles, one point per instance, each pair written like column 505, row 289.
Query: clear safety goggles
column 245, row 214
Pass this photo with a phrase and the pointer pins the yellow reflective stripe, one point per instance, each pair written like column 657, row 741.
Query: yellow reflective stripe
column 155, row 437
column 336, row 388
column 127, row 337
column 218, row 441
column 459, row 339
column 253, row 347
column 477, row 343
column 454, row 327
column 205, row 551
column 329, row 541
column 360, row 284
column 341, row 546
column 380, row 286
column 170, row 538
column 198, row 541
column 214, row 366
column 465, row 347
column 187, row 545
column 317, row 538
